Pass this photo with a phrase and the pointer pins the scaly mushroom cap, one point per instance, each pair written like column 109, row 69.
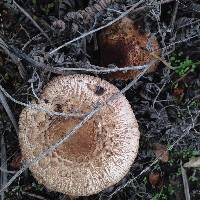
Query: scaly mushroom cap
column 98, row 155
column 122, row 44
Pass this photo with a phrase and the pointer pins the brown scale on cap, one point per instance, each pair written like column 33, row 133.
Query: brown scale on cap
column 123, row 45
column 98, row 155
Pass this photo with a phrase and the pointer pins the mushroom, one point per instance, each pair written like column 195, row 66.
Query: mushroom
column 98, row 155
column 123, row 45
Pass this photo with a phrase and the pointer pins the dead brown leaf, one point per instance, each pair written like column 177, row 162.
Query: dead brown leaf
column 154, row 179
column 161, row 152
column 16, row 162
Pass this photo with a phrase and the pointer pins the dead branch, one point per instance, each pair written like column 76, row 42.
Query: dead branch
column 14, row 59
column 32, row 20
column 104, row 70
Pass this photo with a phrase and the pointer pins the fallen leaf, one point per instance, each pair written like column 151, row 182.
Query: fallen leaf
column 178, row 92
column 161, row 152
column 194, row 162
column 154, row 179
column 16, row 162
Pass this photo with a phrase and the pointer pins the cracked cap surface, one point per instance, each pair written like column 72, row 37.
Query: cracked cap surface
column 98, row 155
column 123, row 45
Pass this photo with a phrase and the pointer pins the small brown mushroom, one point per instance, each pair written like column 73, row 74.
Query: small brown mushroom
column 123, row 45
column 98, row 155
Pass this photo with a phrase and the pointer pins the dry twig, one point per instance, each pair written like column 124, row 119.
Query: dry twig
column 32, row 20
column 8, row 111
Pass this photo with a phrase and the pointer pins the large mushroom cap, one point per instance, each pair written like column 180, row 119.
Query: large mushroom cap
column 98, row 155
column 122, row 44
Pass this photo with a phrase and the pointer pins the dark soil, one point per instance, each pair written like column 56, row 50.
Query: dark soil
column 165, row 103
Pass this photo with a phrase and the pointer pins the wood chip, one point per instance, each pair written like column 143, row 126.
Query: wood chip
column 194, row 162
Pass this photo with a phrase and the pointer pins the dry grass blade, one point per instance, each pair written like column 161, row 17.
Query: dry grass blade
column 105, row 70
column 185, row 183
column 8, row 110
column 32, row 20
column 3, row 178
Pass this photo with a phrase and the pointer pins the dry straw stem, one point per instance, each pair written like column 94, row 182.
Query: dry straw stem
column 104, row 70
column 72, row 131
column 94, row 69
column 8, row 111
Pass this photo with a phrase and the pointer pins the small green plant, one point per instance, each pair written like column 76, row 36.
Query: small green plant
column 193, row 179
column 47, row 8
column 171, row 189
column 183, row 65
column 37, row 187
column 34, row 2
column 160, row 196
column 193, row 104
column 145, row 180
